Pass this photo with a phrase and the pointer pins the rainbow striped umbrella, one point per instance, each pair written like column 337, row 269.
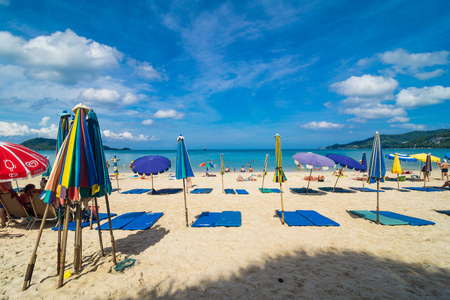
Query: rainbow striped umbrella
column 279, row 174
column 427, row 168
column 63, row 129
column 377, row 168
column 183, row 169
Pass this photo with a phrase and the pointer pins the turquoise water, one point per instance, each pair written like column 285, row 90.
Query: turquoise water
column 235, row 159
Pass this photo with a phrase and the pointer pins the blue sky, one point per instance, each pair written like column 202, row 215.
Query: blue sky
column 225, row 74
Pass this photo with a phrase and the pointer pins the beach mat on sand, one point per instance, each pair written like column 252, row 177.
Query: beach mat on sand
column 229, row 219
column 336, row 190
column 269, row 190
column 207, row 219
column 373, row 217
column 241, row 192
column 122, row 220
column 202, row 191
column 143, row 222
column 229, row 191
column 447, row 212
column 412, row 221
column 394, row 189
column 421, row 189
column 166, row 191
column 137, row 191
column 101, row 216
column 293, row 218
column 316, row 218
column 303, row 191
column 365, row 190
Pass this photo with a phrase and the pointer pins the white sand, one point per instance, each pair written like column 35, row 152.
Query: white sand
column 359, row 259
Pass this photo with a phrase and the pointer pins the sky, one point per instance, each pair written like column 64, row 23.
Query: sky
column 225, row 74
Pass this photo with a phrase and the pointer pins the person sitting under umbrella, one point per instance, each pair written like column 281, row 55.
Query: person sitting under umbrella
column 24, row 199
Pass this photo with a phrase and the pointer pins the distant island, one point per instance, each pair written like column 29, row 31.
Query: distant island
column 38, row 144
column 415, row 139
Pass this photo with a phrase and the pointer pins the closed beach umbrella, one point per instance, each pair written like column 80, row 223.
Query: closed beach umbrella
column 427, row 168
column 377, row 169
column 183, row 169
column 63, row 129
column 279, row 175
column 345, row 161
column 313, row 160
column 397, row 169
column 264, row 172
column 364, row 163
column 116, row 171
column 151, row 165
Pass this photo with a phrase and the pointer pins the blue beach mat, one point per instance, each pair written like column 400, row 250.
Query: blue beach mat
column 265, row 190
column 166, row 191
column 303, row 191
column 241, row 192
column 336, row 190
column 143, row 222
column 366, row 190
column 373, row 217
column 412, row 221
column 137, row 191
column 316, row 218
column 421, row 189
column 196, row 191
column 122, row 220
column 229, row 191
column 202, row 191
column 293, row 218
column 229, row 219
column 447, row 212
column 207, row 219
column 101, row 216
column 394, row 189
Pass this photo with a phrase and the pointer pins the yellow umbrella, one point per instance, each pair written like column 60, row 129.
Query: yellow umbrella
column 423, row 157
column 397, row 169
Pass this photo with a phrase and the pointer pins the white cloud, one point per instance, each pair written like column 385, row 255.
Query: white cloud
column 130, row 98
column 376, row 111
column 61, row 57
column 357, row 120
column 169, row 114
column 147, row 71
column 44, row 121
column 15, row 129
column 328, row 104
column 108, row 134
column 409, row 126
column 147, row 122
column 366, row 86
column 415, row 97
column 92, row 96
column 321, row 125
column 49, row 132
column 398, row 120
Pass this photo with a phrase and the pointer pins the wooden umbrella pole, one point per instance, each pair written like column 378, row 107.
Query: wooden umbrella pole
column 91, row 215
column 185, row 203
column 337, row 179
column 30, row 267
column 98, row 227
column 80, row 243
column 76, row 244
column 398, row 183
column 64, row 246
column 113, row 245
column 378, row 201
column 117, row 180
column 153, row 189
column 309, row 180
column 223, row 189
column 58, row 249
column 282, row 207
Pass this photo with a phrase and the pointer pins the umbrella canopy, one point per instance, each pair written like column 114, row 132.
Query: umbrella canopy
column 396, row 166
column 19, row 162
column 183, row 165
column 313, row 159
column 447, row 155
column 63, row 129
column 345, row 161
column 151, row 164
column 377, row 169
column 428, row 167
column 207, row 165
column 95, row 136
column 401, row 157
column 423, row 157
column 279, row 175
column 364, row 160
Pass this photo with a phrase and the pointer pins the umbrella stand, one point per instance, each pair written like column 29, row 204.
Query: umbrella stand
column 30, row 267
column 98, row 227
column 113, row 246
column 282, row 208
column 398, row 183
column 309, row 180
column 337, row 179
column 185, row 203
column 62, row 260
column 378, row 201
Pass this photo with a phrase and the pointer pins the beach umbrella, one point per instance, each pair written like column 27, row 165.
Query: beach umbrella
column 422, row 157
column 397, row 169
column 264, row 172
column 183, row 169
column 206, row 165
column 151, row 165
column 364, row 163
column 401, row 157
column 221, row 171
column 377, row 169
column 427, row 168
column 116, row 171
column 49, row 169
column 279, row 175
column 345, row 161
column 63, row 129
column 313, row 160
column 447, row 155
column 19, row 162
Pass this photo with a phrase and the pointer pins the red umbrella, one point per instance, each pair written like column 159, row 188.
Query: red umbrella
column 17, row 162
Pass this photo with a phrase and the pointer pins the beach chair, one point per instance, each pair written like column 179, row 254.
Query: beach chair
column 13, row 208
column 39, row 207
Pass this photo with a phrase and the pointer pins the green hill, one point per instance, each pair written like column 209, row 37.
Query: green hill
column 50, row 144
column 415, row 139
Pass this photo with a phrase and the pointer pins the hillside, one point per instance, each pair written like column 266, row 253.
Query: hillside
column 50, row 144
column 415, row 139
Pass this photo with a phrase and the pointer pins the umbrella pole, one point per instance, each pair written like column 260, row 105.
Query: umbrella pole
column 378, row 201
column 153, row 189
column 113, row 246
column 398, row 183
column 64, row 246
column 223, row 190
column 30, row 267
column 337, row 180
column 91, row 215
column 309, row 180
column 364, row 180
column 98, row 227
column 420, row 172
column 58, row 249
column 17, row 184
column 117, row 180
column 185, row 204
column 282, row 207
column 77, row 238
column 262, row 187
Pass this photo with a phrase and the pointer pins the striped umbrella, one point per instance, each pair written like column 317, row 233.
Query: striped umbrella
column 427, row 168
column 264, row 172
column 279, row 174
column 397, row 169
column 63, row 129
column 183, row 169
column 116, row 170
column 377, row 169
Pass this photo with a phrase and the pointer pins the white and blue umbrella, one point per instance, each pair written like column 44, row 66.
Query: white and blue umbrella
column 377, row 169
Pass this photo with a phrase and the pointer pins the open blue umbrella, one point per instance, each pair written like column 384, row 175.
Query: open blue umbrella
column 401, row 157
column 151, row 165
column 345, row 161
column 377, row 169
column 183, row 169
column 447, row 155
column 314, row 160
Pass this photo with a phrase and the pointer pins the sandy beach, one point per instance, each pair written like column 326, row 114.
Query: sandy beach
column 262, row 259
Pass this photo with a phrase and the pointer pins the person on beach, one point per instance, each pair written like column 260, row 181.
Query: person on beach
column 426, row 174
column 24, row 199
column 227, row 169
column 250, row 169
column 444, row 169
column 242, row 169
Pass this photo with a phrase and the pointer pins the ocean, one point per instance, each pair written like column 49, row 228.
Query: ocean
column 235, row 159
